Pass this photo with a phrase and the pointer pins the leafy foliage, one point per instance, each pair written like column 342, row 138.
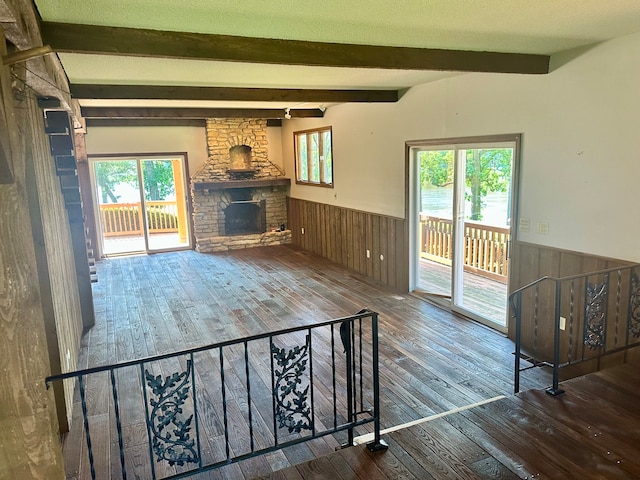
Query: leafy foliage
column 171, row 439
column 436, row 168
column 486, row 171
column 110, row 173
column 292, row 410
column 157, row 178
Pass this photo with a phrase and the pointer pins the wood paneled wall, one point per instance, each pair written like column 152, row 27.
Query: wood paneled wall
column 344, row 235
column 29, row 443
column 530, row 262
column 53, row 230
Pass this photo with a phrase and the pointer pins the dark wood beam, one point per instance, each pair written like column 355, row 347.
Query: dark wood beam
column 146, row 122
column 77, row 38
column 160, row 122
column 161, row 92
column 154, row 112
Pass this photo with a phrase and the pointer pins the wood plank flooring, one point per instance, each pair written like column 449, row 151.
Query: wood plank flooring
column 591, row 431
column 430, row 360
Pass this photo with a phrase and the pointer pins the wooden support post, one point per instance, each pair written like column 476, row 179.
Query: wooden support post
column 6, row 114
column 178, row 180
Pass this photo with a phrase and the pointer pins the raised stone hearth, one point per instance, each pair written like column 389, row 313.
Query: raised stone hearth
column 239, row 196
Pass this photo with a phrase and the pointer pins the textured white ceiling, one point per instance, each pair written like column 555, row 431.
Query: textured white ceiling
column 165, row 71
column 525, row 26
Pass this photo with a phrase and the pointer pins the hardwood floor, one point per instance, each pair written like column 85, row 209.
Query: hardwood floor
column 591, row 431
column 430, row 361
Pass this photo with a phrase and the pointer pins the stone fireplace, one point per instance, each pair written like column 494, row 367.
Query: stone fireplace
column 239, row 196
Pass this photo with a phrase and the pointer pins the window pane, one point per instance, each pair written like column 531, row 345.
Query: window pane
column 328, row 166
column 303, row 171
column 315, row 158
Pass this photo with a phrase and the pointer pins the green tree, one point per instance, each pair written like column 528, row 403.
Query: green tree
column 158, row 179
column 436, row 168
column 110, row 173
column 486, row 171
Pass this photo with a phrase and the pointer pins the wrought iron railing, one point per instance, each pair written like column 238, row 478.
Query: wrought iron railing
column 207, row 407
column 574, row 319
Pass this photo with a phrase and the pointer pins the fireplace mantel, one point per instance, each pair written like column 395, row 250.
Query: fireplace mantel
column 227, row 184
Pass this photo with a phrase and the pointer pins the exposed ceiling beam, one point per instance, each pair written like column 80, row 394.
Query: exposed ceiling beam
column 146, row 122
column 161, row 92
column 159, row 122
column 94, row 39
column 45, row 74
column 159, row 112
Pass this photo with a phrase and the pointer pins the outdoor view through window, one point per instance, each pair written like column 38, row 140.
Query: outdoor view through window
column 467, row 191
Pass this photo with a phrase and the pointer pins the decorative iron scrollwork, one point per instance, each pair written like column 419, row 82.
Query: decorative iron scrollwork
column 595, row 315
column 633, row 321
column 171, row 440
column 292, row 409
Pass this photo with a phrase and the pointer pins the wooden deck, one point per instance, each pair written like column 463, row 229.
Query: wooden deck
column 591, row 431
column 430, row 361
column 483, row 296
column 132, row 243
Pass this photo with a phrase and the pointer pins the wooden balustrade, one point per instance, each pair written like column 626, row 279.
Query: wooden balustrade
column 120, row 219
column 485, row 246
column 162, row 216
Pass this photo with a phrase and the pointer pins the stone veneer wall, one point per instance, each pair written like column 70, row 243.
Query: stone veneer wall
column 209, row 204
column 212, row 203
column 224, row 133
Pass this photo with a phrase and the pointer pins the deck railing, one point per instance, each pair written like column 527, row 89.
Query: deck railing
column 207, row 407
column 579, row 318
column 485, row 246
column 126, row 218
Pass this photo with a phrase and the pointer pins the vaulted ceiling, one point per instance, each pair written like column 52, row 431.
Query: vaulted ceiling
column 302, row 54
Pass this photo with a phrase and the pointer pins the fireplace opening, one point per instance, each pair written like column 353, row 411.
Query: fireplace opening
column 240, row 159
column 243, row 215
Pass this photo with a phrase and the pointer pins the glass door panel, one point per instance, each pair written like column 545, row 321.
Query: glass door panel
column 462, row 227
column 165, row 204
column 119, row 206
column 484, row 231
column 435, row 223
column 142, row 205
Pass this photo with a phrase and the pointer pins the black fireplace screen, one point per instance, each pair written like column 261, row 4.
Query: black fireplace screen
column 245, row 217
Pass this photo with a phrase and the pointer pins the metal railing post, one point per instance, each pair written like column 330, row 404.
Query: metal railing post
column 377, row 444
column 555, row 389
column 346, row 331
column 517, row 307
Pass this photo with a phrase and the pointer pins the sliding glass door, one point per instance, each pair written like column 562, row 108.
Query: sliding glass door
column 461, row 218
column 141, row 204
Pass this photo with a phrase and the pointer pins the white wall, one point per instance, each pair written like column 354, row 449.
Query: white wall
column 142, row 140
column 580, row 167
column 115, row 140
column 274, row 141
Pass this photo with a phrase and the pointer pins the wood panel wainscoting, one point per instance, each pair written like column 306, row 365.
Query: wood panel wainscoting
column 530, row 262
column 345, row 236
